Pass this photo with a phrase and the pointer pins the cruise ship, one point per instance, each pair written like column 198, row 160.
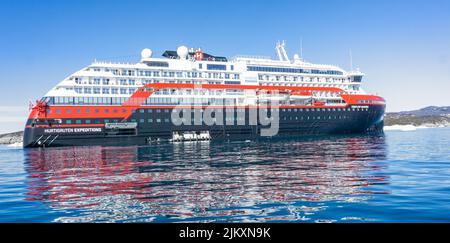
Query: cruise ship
column 192, row 95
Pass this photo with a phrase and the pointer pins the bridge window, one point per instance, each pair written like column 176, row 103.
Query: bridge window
column 232, row 82
column 216, row 67
column 291, row 70
column 157, row 64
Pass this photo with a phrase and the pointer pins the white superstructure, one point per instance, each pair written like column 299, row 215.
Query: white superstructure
column 114, row 83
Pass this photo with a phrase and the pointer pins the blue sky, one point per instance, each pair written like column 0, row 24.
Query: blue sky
column 403, row 46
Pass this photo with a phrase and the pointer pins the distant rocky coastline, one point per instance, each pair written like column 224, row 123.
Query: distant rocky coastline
column 432, row 116
column 11, row 138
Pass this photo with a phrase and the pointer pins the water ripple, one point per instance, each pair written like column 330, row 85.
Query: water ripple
column 334, row 179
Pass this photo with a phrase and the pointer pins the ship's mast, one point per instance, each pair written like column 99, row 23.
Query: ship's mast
column 278, row 47
column 282, row 55
column 351, row 60
column 301, row 48
column 284, row 51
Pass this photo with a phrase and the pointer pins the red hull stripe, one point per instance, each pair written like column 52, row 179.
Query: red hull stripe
column 136, row 100
column 143, row 93
column 353, row 99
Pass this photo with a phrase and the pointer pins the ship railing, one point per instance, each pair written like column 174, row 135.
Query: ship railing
column 251, row 57
column 97, row 62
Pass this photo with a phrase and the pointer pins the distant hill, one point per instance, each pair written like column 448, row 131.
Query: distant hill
column 427, row 111
column 432, row 116
column 10, row 138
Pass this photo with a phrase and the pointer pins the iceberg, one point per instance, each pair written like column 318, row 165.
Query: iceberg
column 403, row 128
column 15, row 145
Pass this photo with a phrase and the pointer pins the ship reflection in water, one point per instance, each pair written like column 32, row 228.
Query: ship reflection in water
column 277, row 181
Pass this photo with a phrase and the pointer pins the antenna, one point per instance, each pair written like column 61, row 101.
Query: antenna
column 301, row 47
column 278, row 46
column 283, row 51
column 351, row 60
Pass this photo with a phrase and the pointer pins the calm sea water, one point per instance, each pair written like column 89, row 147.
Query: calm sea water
column 398, row 177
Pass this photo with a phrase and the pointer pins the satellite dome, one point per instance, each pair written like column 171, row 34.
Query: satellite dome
column 146, row 53
column 297, row 59
column 182, row 52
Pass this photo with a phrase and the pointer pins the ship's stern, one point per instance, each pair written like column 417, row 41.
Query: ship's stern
column 29, row 138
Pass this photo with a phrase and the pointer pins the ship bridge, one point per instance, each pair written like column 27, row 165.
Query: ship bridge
column 191, row 55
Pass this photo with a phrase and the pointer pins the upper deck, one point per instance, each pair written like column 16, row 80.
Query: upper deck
column 108, row 80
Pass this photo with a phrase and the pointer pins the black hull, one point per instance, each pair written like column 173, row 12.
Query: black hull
column 292, row 122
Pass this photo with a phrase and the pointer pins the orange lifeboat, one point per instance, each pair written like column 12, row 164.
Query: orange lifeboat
column 318, row 103
column 300, row 95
